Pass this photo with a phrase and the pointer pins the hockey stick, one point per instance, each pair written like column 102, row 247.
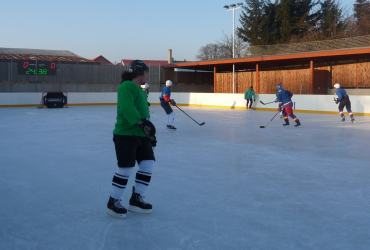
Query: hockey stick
column 271, row 120
column 200, row 124
column 267, row 103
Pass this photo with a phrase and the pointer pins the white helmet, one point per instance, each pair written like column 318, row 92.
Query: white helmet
column 168, row 83
column 145, row 86
column 337, row 86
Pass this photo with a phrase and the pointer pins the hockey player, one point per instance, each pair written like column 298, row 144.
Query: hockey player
column 342, row 98
column 165, row 100
column 285, row 105
column 248, row 95
column 134, row 137
column 145, row 87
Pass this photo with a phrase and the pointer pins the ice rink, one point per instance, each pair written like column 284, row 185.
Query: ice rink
column 226, row 185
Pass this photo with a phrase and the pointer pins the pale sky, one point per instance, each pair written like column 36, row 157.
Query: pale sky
column 143, row 29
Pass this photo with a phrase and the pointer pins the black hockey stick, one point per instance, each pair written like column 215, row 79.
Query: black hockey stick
column 270, row 121
column 200, row 124
column 267, row 103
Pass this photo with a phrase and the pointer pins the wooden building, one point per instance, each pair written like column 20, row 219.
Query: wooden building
column 300, row 73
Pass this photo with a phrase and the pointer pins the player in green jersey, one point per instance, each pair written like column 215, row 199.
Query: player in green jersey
column 134, row 139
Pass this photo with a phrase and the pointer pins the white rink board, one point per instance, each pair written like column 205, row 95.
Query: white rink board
column 322, row 103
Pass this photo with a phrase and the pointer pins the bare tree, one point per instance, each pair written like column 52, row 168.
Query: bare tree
column 226, row 43
column 223, row 49
column 209, row 52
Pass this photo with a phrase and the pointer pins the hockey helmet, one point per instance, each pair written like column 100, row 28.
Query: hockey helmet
column 168, row 83
column 337, row 86
column 279, row 87
column 138, row 67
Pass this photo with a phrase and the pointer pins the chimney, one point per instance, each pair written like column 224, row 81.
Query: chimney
column 170, row 60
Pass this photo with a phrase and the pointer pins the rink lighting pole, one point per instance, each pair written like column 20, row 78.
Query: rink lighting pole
column 233, row 7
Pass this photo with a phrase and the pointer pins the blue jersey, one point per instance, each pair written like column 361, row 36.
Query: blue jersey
column 340, row 93
column 166, row 94
column 284, row 98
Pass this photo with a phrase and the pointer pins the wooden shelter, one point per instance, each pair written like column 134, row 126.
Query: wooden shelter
column 300, row 73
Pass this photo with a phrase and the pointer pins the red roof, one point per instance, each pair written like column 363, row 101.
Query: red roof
column 102, row 60
column 150, row 63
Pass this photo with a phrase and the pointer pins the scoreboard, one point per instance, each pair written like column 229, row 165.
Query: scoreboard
column 32, row 67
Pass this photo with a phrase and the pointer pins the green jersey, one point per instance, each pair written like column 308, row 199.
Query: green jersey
column 131, row 107
column 249, row 94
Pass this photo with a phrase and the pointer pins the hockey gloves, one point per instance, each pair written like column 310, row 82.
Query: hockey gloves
column 172, row 101
column 149, row 130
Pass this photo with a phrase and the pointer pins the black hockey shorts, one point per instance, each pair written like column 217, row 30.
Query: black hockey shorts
column 345, row 102
column 132, row 148
column 166, row 106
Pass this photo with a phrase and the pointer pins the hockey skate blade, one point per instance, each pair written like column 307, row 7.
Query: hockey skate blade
column 134, row 209
column 121, row 216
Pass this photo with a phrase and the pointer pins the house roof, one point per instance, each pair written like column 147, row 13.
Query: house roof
column 249, row 63
column 102, row 60
column 41, row 54
column 150, row 63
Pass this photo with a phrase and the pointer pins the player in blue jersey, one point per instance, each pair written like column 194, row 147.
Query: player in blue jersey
column 165, row 100
column 285, row 105
column 342, row 98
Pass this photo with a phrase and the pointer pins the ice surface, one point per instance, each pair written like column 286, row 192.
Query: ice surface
column 226, row 185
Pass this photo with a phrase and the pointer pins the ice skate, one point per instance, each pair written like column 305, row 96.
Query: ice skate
column 353, row 120
column 171, row 127
column 298, row 124
column 115, row 208
column 286, row 124
column 343, row 119
column 138, row 205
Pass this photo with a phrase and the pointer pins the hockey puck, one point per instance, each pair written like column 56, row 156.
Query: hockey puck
column 262, row 126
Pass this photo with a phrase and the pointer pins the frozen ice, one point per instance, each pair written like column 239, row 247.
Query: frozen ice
column 226, row 185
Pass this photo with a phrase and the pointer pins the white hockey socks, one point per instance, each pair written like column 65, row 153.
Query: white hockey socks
column 170, row 118
column 119, row 182
column 143, row 176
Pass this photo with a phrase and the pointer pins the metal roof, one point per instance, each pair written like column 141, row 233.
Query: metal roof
column 269, row 61
column 41, row 54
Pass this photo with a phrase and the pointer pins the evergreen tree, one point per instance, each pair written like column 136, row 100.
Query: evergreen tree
column 250, row 20
column 294, row 18
column 357, row 8
column 264, row 22
column 331, row 21
column 362, row 17
column 270, row 28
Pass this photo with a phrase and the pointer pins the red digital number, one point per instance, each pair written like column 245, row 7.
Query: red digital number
column 25, row 65
column 52, row 65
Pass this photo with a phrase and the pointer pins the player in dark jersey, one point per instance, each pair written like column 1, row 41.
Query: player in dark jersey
column 165, row 99
column 285, row 105
column 342, row 98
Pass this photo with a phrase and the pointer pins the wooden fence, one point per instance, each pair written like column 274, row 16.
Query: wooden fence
column 356, row 75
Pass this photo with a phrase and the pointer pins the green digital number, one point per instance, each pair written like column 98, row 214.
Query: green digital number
column 42, row 71
column 30, row 71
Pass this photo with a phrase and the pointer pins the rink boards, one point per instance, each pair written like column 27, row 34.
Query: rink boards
column 302, row 103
